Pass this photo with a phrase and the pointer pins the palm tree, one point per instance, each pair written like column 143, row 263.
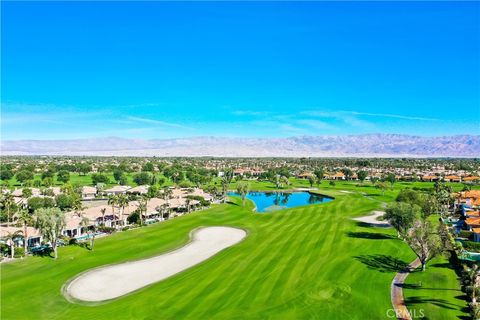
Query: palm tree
column 142, row 207
column 112, row 201
column 102, row 211
column 8, row 202
column 276, row 181
column 122, row 202
column 225, row 183
column 10, row 238
column 77, row 206
column 285, row 180
column 167, row 193
column 24, row 217
column 85, row 222
column 214, row 192
column 164, row 208
column 242, row 189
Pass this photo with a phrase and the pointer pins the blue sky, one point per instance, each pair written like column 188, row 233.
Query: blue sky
column 163, row 70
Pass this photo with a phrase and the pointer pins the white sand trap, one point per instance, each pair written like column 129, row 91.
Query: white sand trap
column 117, row 280
column 373, row 219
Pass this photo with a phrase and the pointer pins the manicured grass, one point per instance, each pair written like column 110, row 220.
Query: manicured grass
column 306, row 262
column 434, row 291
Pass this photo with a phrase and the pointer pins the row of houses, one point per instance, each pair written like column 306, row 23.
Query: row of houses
column 86, row 192
column 179, row 203
column 427, row 178
column 468, row 203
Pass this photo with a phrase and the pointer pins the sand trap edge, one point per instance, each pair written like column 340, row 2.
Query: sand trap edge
column 69, row 298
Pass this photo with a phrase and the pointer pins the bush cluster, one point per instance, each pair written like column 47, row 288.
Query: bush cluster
column 471, row 246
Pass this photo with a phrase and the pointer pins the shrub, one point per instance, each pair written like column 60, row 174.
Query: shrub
column 185, row 184
column 134, row 217
column 72, row 241
column 19, row 252
column 202, row 200
column 48, row 192
column 474, row 310
column 466, row 234
column 4, row 249
column 63, row 240
column 409, row 196
column 39, row 202
column 106, row 229
column 471, row 246
column 125, row 228
column 99, row 178
column 64, row 201
column 142, row 178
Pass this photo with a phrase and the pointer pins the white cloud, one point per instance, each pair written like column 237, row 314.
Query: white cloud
column 343, row 113
column 345, row 117
column 290, row 128
column 157, row 122
column 317, row 124
column 387, row 115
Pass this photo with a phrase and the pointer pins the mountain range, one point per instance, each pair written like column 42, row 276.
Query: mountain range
column 367, row 145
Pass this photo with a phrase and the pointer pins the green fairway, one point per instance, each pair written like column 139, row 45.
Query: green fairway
column 301, row 263
column 435, row 291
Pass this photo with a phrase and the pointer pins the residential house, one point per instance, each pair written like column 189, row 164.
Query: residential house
column 117, row 190
column 89, row 192
column 138, row 190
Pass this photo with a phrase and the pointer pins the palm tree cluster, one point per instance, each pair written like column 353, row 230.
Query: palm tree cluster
column 242, row 190
column 8, row 204
column 280, row 181
column 120, row 201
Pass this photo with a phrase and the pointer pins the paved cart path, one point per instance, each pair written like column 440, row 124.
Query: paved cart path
column 398, row 300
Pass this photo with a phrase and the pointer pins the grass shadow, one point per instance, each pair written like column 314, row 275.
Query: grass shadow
column 419, row 287
column 372, row 195
column 383, row 263
column 363, row 224
column 370, row 235
column 445, row 265
column 45, row 253
column 83, row 245
column 442, row 303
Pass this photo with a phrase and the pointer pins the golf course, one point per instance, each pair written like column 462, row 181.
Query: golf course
column 309, row 262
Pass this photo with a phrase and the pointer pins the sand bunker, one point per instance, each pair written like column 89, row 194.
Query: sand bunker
column 373, row 219
column 117, row 280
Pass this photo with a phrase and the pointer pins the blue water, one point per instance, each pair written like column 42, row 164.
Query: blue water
column 272, row 201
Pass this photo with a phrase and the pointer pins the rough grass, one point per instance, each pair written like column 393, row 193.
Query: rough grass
column 300, row 263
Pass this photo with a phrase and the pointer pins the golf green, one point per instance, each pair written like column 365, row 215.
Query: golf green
column 300, row 263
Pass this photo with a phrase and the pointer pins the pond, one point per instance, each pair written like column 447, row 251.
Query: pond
column 272, row 201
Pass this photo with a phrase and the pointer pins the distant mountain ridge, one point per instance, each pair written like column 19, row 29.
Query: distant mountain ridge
column 366, row 145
